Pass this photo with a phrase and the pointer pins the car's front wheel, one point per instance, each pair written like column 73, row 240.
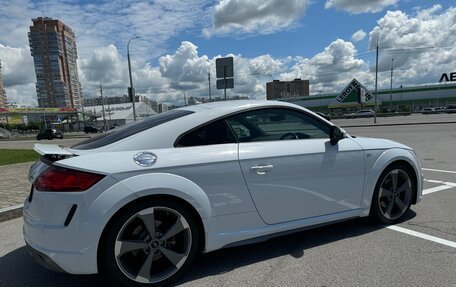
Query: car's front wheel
column 393, row 194
column 151, row 244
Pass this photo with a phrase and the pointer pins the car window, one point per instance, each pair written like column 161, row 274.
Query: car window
column 130, row 129
column 277, row 124
column 214, row 133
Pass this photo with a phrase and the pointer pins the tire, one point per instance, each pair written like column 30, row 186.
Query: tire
column 132, row 257
column 393, row 194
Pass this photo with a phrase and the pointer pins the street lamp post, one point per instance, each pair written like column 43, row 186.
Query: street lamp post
column 391, row 86
column 131, row 90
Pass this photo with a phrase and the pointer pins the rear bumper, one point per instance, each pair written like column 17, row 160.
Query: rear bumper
column 43, row 259
column 58, row 247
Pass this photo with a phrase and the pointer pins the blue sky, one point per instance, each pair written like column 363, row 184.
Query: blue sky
column 180, row 40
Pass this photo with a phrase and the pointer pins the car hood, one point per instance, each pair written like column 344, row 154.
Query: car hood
column 374, row 143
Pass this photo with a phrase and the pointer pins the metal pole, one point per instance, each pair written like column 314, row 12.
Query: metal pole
column 44, row 113
column 131, row 91
column 109, row 111
column 83, row 115
column 102, row 108
column 376, row 78
column 224, row 80
column 209, row 79
column 391, row 86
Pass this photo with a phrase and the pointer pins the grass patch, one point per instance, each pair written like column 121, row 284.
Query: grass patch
column 11, row 156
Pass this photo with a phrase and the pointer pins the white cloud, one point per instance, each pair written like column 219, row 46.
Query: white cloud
column 331, row 69
column 185, row 66
column 186, row 72
column 18, row 74
column 255, row 16
column 104, row 66
column 102, row 45
column 359, row 6
column 422, row 45
column 358, row 36
column 17, row 66
column 266, row 65
column 98, row 28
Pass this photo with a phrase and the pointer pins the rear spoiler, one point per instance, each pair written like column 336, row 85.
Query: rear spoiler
column 51, row 149
column 51, row 152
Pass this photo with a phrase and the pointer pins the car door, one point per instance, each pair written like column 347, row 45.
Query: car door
column 208, row 156
column 292, row 170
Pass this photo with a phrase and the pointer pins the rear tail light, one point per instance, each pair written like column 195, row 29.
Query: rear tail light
column 63, row 179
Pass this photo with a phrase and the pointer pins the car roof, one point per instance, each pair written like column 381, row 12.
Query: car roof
column 227, row 106
column 164, row 135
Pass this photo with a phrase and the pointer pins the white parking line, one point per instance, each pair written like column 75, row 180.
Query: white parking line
column 422, row 236
column 444, row 186
column 436, row 189
column 441, row 182
column 439, row 170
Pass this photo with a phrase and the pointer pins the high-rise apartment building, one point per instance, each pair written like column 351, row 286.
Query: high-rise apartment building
column 2, row 90
column 53, row 47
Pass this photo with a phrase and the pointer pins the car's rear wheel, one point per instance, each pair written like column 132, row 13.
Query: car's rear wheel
column 393, row 194
column 151, row 244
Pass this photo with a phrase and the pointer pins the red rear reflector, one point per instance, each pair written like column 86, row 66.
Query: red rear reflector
column 63, row 179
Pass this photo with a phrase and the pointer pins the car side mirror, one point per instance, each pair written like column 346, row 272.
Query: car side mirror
column 335, row 135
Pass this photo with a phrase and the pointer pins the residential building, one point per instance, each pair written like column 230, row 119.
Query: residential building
column 2, row 90
column 287, row 89
column 53, row 48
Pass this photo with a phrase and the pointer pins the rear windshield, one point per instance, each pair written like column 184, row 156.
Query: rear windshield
column 130, row 129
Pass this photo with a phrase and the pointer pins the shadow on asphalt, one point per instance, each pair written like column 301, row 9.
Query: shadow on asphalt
column 18, row 268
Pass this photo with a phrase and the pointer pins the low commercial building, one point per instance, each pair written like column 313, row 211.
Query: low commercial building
column 108, row 116
column 125, row 99
column 398, row 99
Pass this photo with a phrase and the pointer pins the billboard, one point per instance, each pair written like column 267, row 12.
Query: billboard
column 353, row 95
column 38, row 110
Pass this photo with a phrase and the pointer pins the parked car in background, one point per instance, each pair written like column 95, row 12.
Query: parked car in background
column 360, row 114
column 429, row 110
column 92, row 130
column 451, row 109
column 328, row 117
column 140, row 201
column 50, row 134
column 440, row 109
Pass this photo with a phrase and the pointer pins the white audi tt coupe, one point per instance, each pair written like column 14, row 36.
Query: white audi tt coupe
column 139, row 202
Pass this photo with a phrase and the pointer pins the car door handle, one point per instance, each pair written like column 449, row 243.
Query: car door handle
column 261, row 169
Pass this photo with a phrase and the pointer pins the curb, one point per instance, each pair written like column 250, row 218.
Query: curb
column 11, row 212
column 399, row 124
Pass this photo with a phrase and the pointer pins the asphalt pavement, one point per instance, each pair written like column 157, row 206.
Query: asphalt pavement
column 421, row 251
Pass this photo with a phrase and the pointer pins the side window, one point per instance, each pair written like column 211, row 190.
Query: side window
column 277, row 124
column 214, row 133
